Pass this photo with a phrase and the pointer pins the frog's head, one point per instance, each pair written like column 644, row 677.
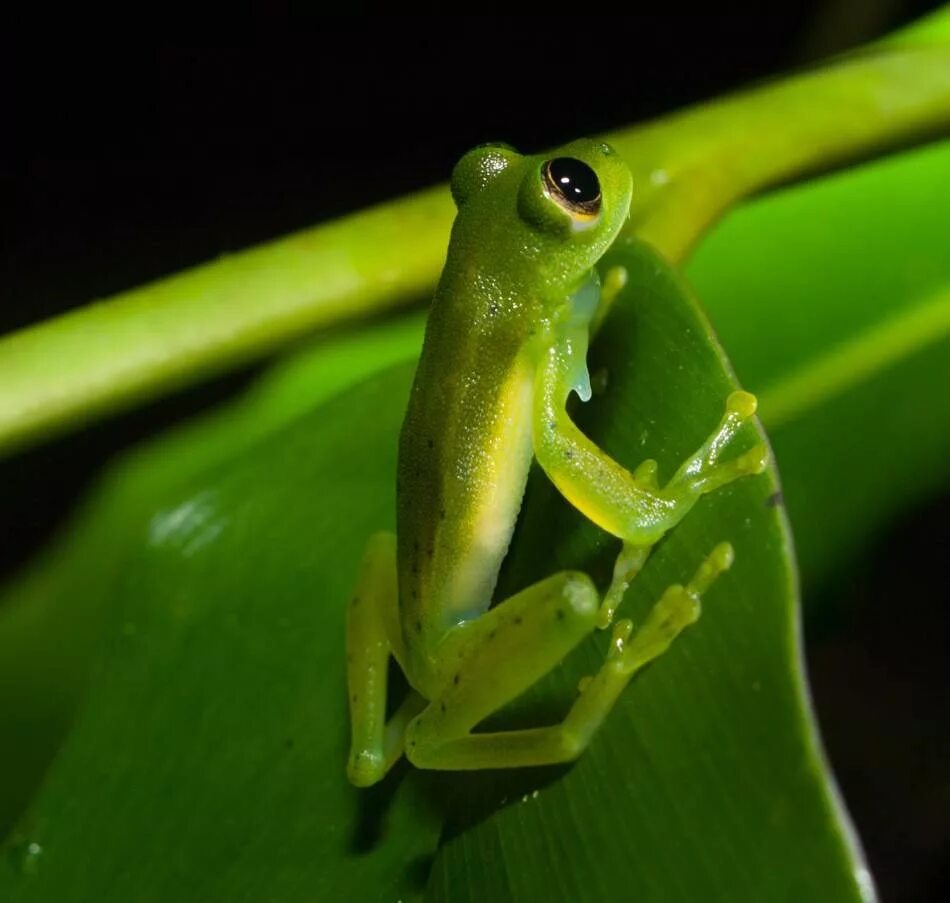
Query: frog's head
column 562, row 210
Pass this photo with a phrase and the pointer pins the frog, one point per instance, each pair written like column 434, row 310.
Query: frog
column 505, row 347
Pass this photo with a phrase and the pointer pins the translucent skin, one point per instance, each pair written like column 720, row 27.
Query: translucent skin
column 505, row 345
column 465, row 447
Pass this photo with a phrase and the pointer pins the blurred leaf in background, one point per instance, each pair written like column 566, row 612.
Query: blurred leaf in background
column 834, row 302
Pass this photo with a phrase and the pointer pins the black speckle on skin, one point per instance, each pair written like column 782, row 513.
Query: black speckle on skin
column 431, row 443
column 418, row 625
column 519, row 620
column 355, row 698
column 491, row 636
column 455, row 680
column 569, row 454
column 442, row 514
column 356, row 600
column 560, row 614
column 442, row 707
column 775, row 500
column 412, row 742
column 430, row 552
column 289, row 743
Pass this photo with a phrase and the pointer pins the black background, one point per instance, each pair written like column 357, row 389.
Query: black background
column 125, row 163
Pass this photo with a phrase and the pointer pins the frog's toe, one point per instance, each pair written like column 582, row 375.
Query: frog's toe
column 365, row 767
column 742, row 404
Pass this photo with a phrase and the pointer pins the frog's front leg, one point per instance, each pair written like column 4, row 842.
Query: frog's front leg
column 372, row 635
column 630, row 505
column 495, row 658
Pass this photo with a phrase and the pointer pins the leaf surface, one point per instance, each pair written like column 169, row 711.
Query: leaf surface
column 206, row 759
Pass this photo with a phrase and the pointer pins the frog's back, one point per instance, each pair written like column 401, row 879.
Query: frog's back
column 464, row 456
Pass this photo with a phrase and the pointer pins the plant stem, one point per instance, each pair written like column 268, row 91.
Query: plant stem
column 146, row 341
column 689, row 168
column 694, row 165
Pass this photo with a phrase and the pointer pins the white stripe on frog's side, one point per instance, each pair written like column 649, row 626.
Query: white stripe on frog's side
column 501, row 474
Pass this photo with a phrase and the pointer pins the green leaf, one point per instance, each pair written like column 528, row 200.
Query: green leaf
column 833, row 299
column 705, row 783
column 206, row 761
column 50, row 619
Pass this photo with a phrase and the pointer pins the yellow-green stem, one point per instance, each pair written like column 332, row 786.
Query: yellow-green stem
column 689, row 168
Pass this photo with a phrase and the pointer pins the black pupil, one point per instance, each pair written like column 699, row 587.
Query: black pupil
column 575, row 180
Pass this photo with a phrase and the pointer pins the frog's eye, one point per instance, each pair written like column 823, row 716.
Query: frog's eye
column 561, row 196
column 573, row 185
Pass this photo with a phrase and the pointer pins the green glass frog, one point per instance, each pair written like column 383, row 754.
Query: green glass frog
column 505, row 345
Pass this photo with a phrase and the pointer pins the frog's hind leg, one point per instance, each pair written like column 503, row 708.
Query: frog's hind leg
column 490, row 661
column 520, row 641
column 371, row 637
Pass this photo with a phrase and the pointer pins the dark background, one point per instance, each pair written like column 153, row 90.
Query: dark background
column 124, row 164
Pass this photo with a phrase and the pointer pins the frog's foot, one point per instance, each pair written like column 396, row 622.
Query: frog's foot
column 702, row 472
column 677, row 608
column 630, row 651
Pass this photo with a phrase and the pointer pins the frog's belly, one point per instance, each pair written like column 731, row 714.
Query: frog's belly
column 459, row 512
